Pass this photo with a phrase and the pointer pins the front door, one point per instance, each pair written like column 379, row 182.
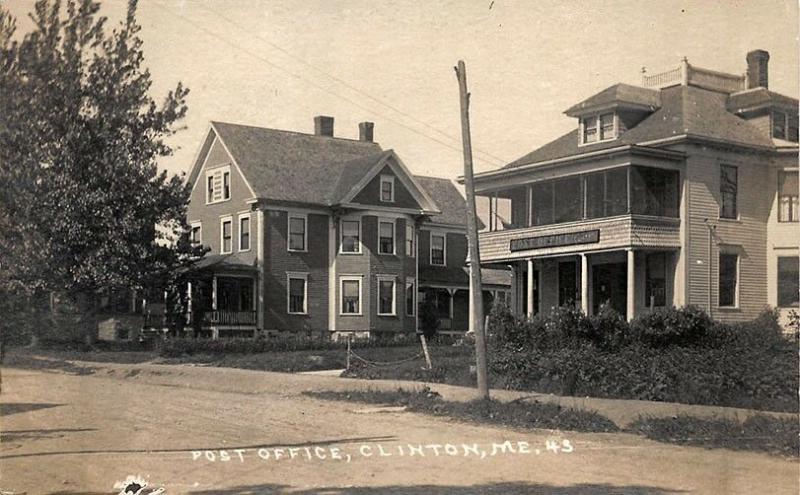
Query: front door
column 609, row 282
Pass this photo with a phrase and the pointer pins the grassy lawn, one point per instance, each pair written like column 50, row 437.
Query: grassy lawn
column 521, row 415
column 758, row 433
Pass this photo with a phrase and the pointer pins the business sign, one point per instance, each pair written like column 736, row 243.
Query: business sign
column 555, row 240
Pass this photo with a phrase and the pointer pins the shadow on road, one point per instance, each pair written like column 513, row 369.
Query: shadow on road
column 42, row 363
column 217, row 448
column 7, row 409
column 18, row 435
column 510, row 488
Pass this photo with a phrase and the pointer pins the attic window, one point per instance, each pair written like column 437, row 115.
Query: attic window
column 218, row 185
column 784, row 126
column 596, row 128
column 387, row 189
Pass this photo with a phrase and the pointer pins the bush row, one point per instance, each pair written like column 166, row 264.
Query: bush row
column 687, row 326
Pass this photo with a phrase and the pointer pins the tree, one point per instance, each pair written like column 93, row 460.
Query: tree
column 80, row 136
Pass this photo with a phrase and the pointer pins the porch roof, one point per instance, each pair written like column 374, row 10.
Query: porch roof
column 216, row 262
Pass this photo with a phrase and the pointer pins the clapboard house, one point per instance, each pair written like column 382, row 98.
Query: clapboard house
column 316, row 233
column 683, row 190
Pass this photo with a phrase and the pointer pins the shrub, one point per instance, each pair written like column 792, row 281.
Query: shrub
column 687, row 325
column 763, row 332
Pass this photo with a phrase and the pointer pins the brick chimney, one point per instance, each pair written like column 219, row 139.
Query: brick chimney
column 323, row 126
column 365, row 131
column 758, row 69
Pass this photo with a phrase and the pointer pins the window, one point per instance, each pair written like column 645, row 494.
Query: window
column 655, row 290
column 598, row 128
column 728, row 186
column 728, row 279
column 297, row 232
column 235, row 294
column 654, row 191
column 244, row 232
column 351, row 296
column 569, row 200
column 567, row 283
column 778, row 125
column 226, row 185
column 196, row 234
column 297, row 293
column 386, row 286
column 351, row 234
column 409, row 238
column 385, row 237
column 411, row 292
column 616, row 192
column 387, row 188
column 788, row 281
column 226, row 235
column 788, row 204
column 590, row 130
column 218, row 184
column 542, row 203
column 438, row 248
column 791, row 128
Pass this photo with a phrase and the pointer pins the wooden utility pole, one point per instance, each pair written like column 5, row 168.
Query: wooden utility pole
column 475, row 287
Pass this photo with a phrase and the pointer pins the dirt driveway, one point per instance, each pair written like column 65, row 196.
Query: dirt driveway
column 221, row 431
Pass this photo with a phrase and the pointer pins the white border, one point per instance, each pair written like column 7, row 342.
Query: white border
column 341, row 235
column 351, row 278
column 222, row 220
column 430, row 241
column 393, row 280
column 393, row 223
column 249, row 232
column 303, row 216
column 390, row 180
column 410, row 281
column 192, row 225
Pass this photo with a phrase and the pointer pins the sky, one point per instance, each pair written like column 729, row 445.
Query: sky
column 279, row 63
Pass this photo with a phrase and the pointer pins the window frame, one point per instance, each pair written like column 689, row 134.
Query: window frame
column 223, row 173
column 393, row 280
column 737, row 279
column 393, row 223
column 735, row 216
column 794, row 211
column 296, row 276
column 359, row 243
column 388, row 179
column 222, row 221
column 410, row 241
column 778, row 281
column 248, row 217
column 410, row 284
column 351, row 278
column 289, row 217
column 597, row 120
column 443, row 235
column 783, row 124
column 199, row 226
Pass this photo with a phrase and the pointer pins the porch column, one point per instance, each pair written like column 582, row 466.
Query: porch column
column 530, row 288
column 188, row 303
column 630, row 290
column 585, row 284
column 214, row 293
column 452, row 293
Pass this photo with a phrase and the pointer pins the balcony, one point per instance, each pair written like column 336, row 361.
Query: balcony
column 622, row 231
column 686, row 74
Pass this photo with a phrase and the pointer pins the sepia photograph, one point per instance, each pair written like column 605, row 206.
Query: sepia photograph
column 397, row 247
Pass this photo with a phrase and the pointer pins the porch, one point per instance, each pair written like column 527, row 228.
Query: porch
column 222, row 299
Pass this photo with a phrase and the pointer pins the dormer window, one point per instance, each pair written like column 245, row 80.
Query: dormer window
column 784, row 126
column 596, row 128
column 387, row 189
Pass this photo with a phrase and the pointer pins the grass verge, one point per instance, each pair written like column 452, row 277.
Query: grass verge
column 758, row 433
column 522, row 415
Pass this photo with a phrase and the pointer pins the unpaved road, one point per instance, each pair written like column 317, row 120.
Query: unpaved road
column 70, row 433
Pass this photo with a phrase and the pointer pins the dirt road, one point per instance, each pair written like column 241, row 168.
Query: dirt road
column 221, row 431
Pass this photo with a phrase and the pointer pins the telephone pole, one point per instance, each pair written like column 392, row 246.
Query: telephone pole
column 475, row 288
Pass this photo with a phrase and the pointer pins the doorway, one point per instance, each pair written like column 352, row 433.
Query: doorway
column 609, row 283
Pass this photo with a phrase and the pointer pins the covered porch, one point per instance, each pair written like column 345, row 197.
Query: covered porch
column 222, row 298
column 630, row 281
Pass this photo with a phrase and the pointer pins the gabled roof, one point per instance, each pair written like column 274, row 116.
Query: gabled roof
column 292, row 166
column 449, row 200
column 685, row 110
column 618, row 95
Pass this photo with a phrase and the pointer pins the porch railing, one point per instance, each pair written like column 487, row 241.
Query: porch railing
column 226, row 317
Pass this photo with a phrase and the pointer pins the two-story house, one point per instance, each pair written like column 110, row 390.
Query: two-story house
column 681, row 191
column 316, row 233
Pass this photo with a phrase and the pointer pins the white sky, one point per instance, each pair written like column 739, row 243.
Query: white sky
column 279, row 63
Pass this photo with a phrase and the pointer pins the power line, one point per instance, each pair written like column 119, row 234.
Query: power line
column 310, row 83
column 346, row 84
